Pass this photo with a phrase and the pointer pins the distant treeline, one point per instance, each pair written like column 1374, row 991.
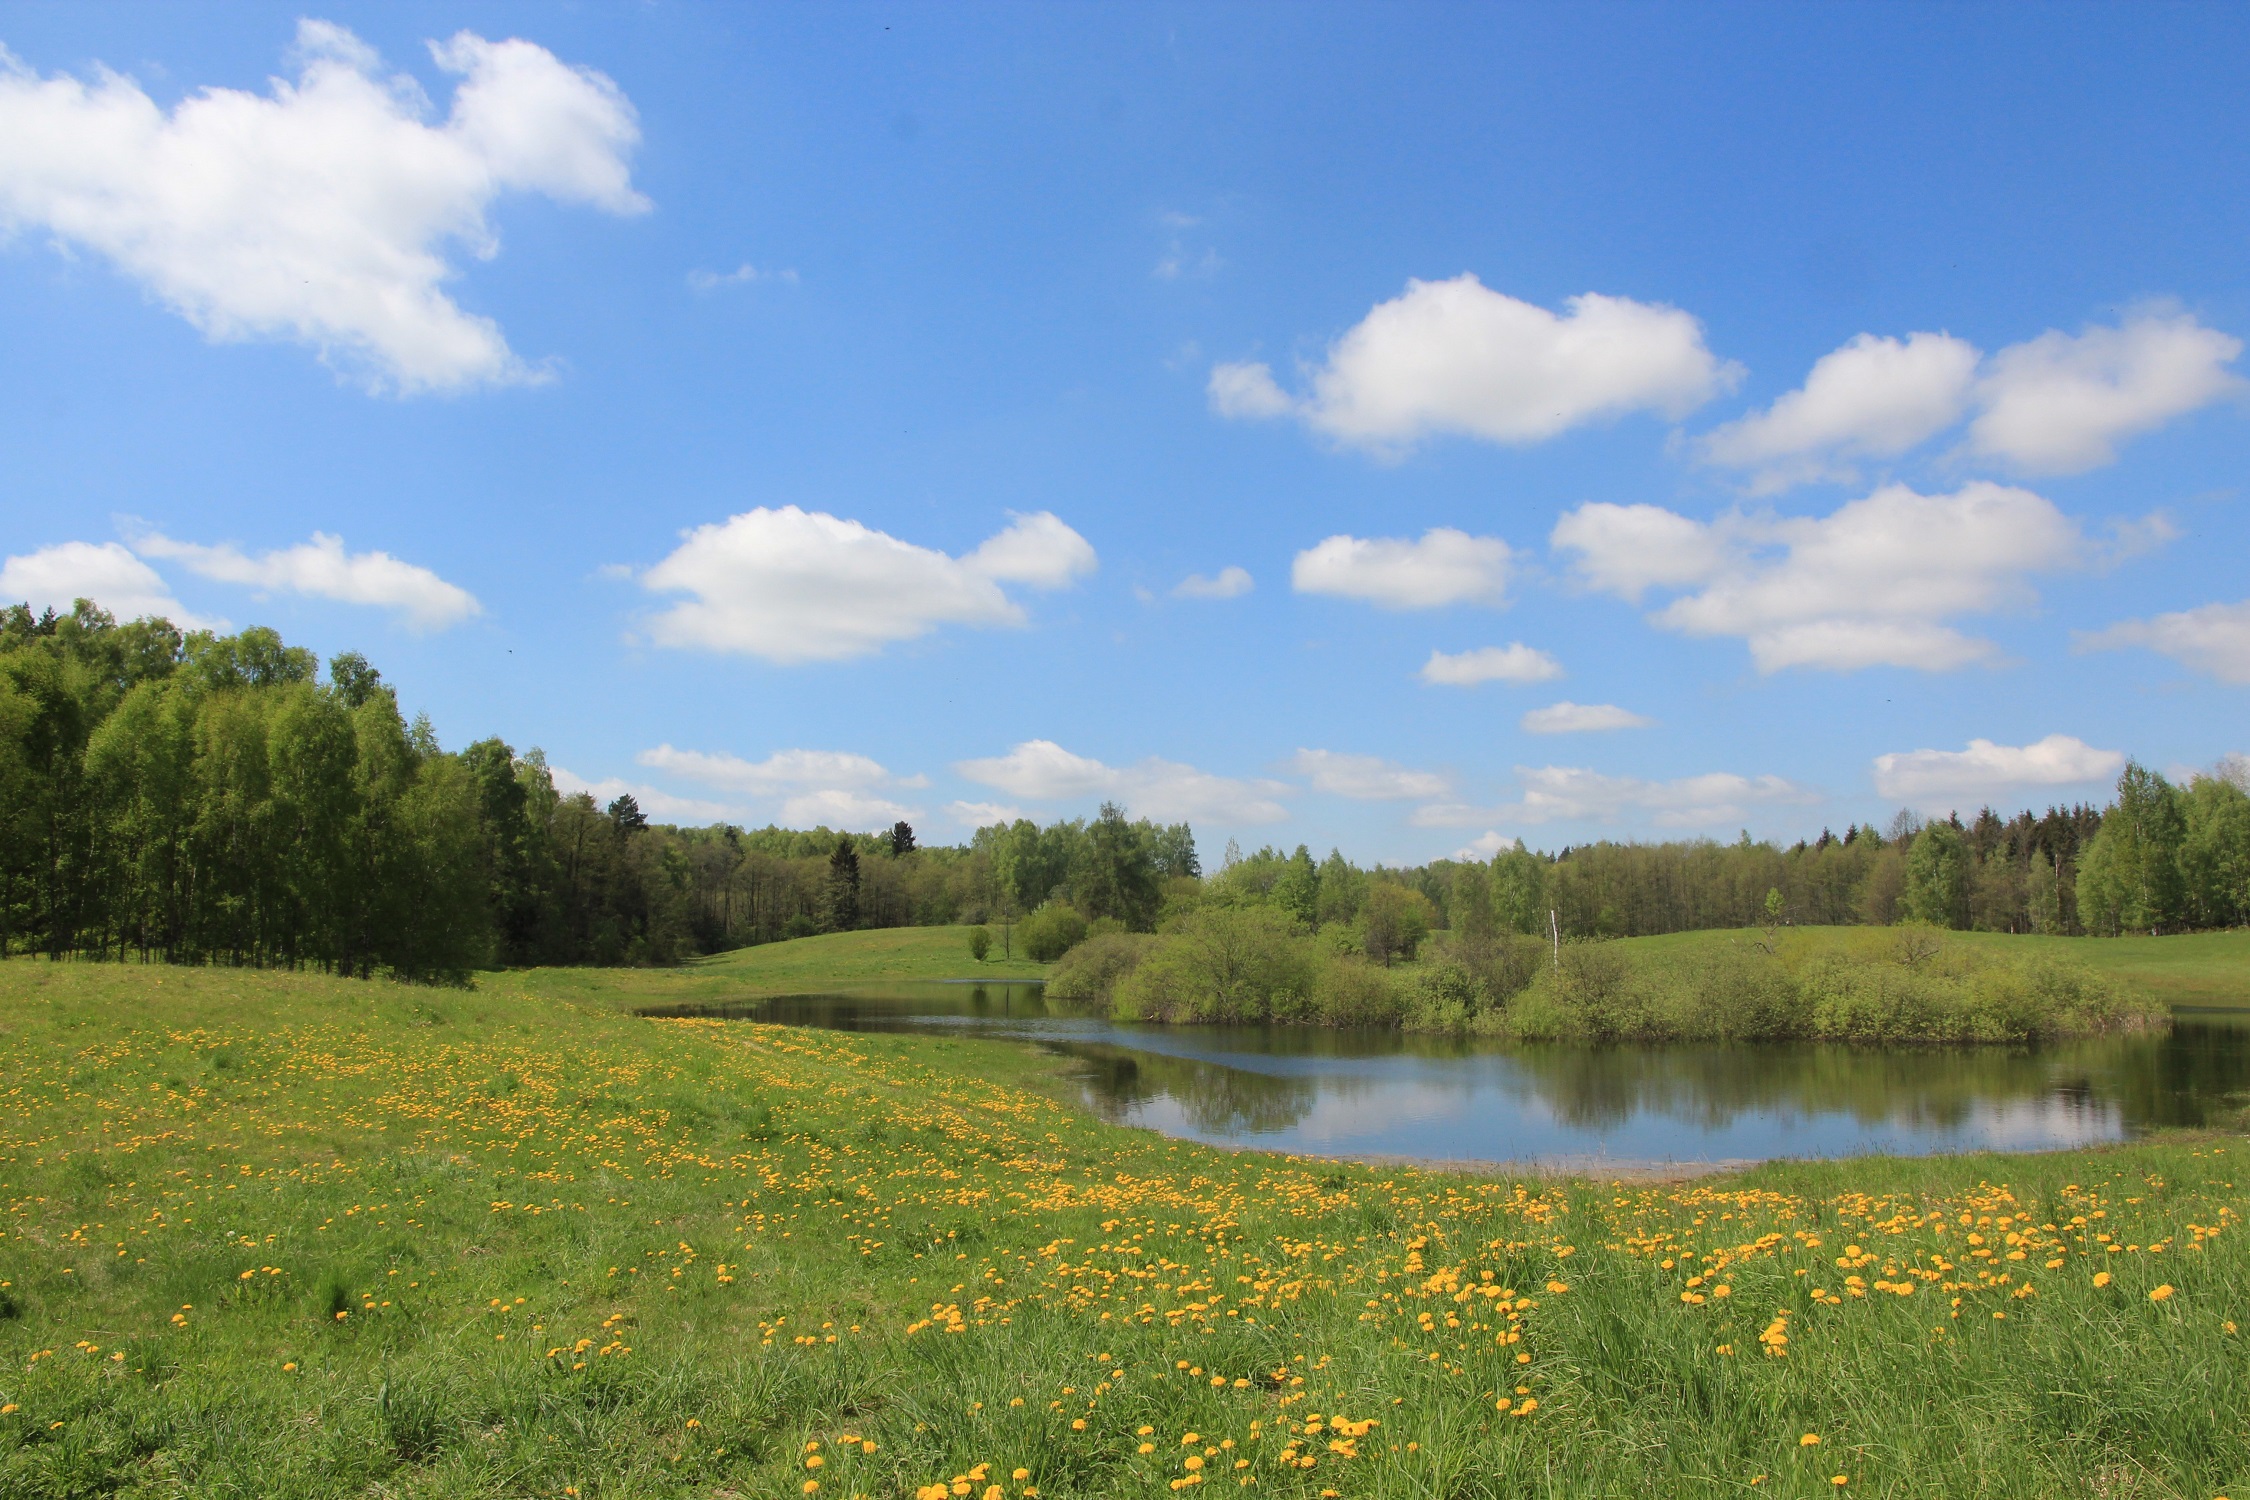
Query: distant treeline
column 2161, row 858
column 202, row 798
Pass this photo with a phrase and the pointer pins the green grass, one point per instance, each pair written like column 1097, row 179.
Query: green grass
column 578, row 1252
column 2199, row 968
column 801, row 964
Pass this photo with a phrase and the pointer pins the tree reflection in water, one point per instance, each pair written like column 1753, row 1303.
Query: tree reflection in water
column 1324, row 1090
column 1217, row 1100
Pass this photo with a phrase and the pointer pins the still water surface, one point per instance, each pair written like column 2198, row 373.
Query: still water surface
column 1383, row 1094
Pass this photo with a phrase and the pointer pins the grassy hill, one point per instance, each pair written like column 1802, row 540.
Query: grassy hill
column 799, row 965
column 268, row 1234
column 2201, row 968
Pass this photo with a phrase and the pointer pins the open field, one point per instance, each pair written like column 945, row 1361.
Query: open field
column 2196, row 968
column 800, row 964
column 283, row 1235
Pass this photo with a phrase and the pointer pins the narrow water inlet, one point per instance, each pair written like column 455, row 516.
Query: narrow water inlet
column 1393, row 1095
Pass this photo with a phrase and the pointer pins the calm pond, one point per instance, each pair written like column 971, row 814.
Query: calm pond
column 1375, row 1094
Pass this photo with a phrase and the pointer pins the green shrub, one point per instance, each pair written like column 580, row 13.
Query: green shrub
column 980, row 943
column 1444, row 995
column 1223, row 963
column 1915, row 988
column 1089, row 973
column 1354, row 992
column 1052, row 931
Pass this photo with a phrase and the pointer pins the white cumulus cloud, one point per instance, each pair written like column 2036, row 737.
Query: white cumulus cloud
column 1366, row 778
column 981, row 814
column 1230, row 583
column 2061, row 403
column 1457, row 357
column 842, row 807
column 817, row 788
column 1567, row 717
column 322, row 211
column 1984, row 771
column 1444, row 567
column 1872, row 583
column 2211, row 638
column 1574, row 794
column 1553, row 794
column 652, row 800
column 1043, row 771
column 1874, row 397
column 322, row 569
column 791, row 585
column 1514, row 662
column 105, row 572
column 784, row 770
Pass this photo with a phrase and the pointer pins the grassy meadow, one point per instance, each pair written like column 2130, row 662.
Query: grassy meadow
column 268, row 1234
column 796, row 966
column 2194, row 968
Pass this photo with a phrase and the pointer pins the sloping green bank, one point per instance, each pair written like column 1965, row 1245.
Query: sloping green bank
column 273, row 1235
column 1242, row 965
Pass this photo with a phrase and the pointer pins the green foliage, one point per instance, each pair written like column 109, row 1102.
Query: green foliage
column 710, row 1213
column 980, row 943
column 1921, row 987
column 840, row 903
column 1937, row 878
column 1112, row 867
column 1089, row 973
column 2130, row 879
column 1051, row 931
column 1222, row 963
column 1393, row 920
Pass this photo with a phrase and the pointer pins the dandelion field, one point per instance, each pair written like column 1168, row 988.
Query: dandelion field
column 266, row 1234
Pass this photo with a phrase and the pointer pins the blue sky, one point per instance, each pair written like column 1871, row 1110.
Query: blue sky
column 1840, row 408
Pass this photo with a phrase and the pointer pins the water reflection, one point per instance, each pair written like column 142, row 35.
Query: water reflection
column 1385, row 1094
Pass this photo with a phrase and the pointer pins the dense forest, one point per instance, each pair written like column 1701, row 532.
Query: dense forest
column 202, row 798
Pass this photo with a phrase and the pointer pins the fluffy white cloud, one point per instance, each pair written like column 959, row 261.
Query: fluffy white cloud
column 321, row 211
column 1557, row 794
column 2212, row 638
column 1457, row 357
column 105, row 572
column 791, row 585
column 656, row 803
column 1514, row 662
column 322, row 569
column 819, row 788
column 784, row 770
column 1247, row 391
column 1567, row 717
column 1954, row 778
column 1043, row 771
column 1629, row 549
column 1874, row 397
column 981, row 814
column 1231, row 583
column 1870, row 584
column 1445, row 567
column 841, row 807
column 2060, row 404
column 1367, row 778
column 1573, row 794
column 1457, row 814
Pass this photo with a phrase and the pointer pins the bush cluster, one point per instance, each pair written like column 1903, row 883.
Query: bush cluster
column 1251, row 966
